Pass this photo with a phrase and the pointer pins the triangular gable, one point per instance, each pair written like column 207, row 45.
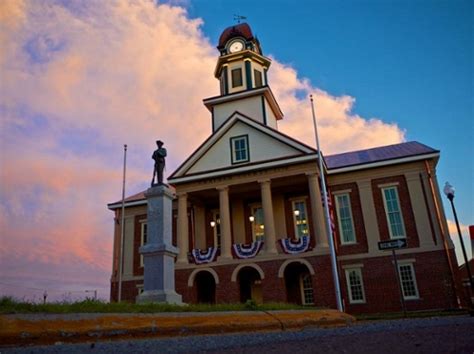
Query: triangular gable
column 265, row 144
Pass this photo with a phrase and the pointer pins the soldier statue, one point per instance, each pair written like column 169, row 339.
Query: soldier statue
column 159, row 157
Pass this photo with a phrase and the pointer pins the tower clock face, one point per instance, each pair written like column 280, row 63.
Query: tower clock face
column 236, row 46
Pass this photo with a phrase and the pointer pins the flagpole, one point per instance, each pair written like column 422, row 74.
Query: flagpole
column 335, row 273
column 122, row 224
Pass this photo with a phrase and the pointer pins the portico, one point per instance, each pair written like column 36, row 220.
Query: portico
column 244, row 208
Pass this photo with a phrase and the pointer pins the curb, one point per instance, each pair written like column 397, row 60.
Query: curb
column 29, row 329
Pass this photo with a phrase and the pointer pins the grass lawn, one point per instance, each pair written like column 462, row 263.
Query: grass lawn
column 9, row 305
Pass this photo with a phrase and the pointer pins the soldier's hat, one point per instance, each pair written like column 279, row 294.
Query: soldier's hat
column 159, row 142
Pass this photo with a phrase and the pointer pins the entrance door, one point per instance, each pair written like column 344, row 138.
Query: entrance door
column 205, row 287
column 250, row 285
column 299, row 287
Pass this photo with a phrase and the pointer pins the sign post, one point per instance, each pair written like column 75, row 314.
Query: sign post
column 393, row 245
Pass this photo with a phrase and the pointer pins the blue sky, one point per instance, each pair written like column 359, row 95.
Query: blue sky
column 409, row 62
column 80, row 79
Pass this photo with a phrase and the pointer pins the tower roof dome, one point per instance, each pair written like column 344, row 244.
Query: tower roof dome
column 239, row 30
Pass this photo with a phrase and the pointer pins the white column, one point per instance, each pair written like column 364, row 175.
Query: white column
column 420, row 209
column 183, row 228
column 369, row 214
column 224, row 214
column 319, row 229
column 270, row 238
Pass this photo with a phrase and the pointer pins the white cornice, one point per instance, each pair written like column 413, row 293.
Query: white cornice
column 242, row 55
column 243, row 169
column 265, row 90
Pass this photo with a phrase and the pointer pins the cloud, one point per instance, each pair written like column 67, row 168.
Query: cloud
column 79, row 80
column 453, row 232
column 340, row 129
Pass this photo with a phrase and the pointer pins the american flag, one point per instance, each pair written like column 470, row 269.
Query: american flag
column 331, row 213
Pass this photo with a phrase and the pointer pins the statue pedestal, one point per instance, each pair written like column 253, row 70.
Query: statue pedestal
column 159, row 252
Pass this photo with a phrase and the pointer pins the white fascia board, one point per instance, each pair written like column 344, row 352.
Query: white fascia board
column 127, row 204
column 243, row 169
column 382, row 163
column 232, row 97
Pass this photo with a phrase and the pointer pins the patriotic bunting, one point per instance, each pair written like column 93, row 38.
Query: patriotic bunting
column 200, row 256
column 290, row 247
column 243, row 251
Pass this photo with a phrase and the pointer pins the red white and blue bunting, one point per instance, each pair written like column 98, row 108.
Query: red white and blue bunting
column 290, row 247
column 242, row 250
column 206, row 256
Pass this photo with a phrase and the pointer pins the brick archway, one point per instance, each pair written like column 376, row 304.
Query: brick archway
column 281, row 271
column 250, row 265
column 192, row 276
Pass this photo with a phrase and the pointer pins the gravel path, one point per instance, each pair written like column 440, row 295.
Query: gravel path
column 428, row 335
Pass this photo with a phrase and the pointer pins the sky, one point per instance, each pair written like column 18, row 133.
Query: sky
column 79, row 79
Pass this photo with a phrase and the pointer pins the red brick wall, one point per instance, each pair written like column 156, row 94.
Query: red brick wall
column 381, row 290
column 433, row 280
column 357, row 217
column 273, row 288
column 405, row 205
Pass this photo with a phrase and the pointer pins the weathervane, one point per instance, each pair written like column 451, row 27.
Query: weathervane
column 238, row 18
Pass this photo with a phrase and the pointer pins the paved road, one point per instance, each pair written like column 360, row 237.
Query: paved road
column 432, row 335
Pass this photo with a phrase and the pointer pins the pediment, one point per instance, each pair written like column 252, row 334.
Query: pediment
column 264, row 145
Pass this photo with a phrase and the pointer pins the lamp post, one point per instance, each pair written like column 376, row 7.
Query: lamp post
column 449, row 191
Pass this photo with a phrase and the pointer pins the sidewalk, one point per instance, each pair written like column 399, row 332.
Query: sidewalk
column 26, row 329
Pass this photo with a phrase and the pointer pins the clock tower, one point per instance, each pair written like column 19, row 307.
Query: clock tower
column 242, row 72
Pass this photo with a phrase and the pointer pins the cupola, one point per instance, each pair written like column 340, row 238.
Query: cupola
column 242, row 72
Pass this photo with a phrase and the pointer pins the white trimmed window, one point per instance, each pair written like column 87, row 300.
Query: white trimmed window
column 355, row 286
column 306, row 286
column 300, row 218
column 393, row 212
column 344, row 218
column 240, row 149
column 408, row 281
column 257, row 78
column 143, row 237
column 256, row 220
column 236, row 77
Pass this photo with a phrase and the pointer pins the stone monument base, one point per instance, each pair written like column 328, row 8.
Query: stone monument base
column 160, row 296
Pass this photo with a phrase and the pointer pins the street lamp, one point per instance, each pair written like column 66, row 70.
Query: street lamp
column 449, row 191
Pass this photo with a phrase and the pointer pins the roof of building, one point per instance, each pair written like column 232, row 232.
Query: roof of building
column 239, row 30
column 129, row 200
column 347, row 159
column 383, row 153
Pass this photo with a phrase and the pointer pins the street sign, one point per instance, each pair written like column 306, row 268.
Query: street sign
column 392, row 244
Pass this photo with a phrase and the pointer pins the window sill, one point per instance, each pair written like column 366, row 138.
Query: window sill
column 349, row 244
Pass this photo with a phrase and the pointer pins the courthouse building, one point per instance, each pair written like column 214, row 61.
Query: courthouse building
column 248, row 216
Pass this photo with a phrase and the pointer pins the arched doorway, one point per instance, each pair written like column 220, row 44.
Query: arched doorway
column 299, row 285
column 250, row 285
column 205, row 288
